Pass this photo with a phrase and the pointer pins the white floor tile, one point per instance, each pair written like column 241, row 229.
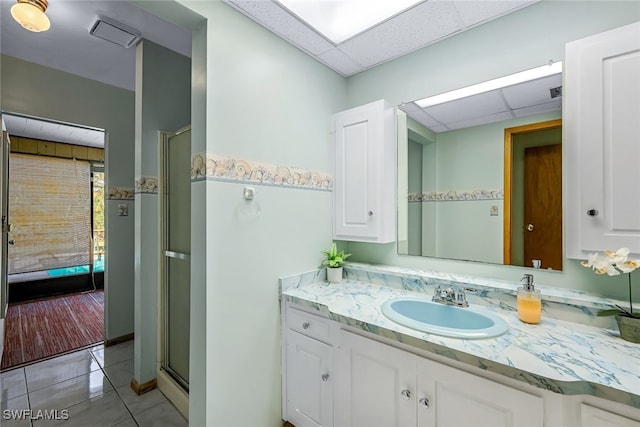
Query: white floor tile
column 120, row 374
column 161, row 415
column 14, row 412
column 115, row 354
column 105, row 410
column 12, row 384
column 67, row 393
column 52, row 371
column 137, row 404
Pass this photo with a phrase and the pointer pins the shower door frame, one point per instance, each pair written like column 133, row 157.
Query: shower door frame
column 169, row 382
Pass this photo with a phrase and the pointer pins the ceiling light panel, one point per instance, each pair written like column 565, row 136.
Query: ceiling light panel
column 341, row 20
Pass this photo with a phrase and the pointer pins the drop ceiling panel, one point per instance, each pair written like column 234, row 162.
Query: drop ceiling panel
column 280, row 21
column 555, row 105
column 416, row 28
column 28, row 127
column 466, row 108
column 339, row 61
column 481, row 120
column 533, row 92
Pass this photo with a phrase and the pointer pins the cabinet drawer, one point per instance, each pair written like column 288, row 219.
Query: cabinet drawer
column 308, row 324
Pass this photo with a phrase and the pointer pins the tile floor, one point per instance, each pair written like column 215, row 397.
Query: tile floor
column 88, row 387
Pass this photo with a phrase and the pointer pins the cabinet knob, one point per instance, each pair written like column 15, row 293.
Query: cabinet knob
column 306, row 325
column 592, row 212
column 530, row 227
column 406, row 394
column 424, row 402
column 370, row 213
column 325, row 377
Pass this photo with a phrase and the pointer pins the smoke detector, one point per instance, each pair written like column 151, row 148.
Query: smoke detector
column 114, row 32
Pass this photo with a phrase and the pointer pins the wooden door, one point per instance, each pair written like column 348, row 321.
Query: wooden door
column 543, row 206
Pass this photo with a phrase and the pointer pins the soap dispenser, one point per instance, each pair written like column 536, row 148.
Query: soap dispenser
column 529, row 301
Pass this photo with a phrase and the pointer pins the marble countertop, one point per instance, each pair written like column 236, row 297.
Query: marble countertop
column 557, row 355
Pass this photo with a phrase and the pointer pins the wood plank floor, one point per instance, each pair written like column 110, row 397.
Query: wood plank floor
column 42, row 329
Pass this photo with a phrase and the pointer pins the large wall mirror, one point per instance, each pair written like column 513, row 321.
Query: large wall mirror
column 480, row 172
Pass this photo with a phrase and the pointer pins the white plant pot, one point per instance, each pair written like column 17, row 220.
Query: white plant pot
column 334, row 275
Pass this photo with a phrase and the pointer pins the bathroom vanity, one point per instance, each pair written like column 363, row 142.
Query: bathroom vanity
column 346, row 364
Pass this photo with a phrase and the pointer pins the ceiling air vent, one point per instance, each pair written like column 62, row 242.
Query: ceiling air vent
column 114, row 32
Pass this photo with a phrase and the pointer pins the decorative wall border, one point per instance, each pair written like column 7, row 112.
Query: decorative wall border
column 453, row 195
column 217, row 167
column 147, row 185
column 120, row 193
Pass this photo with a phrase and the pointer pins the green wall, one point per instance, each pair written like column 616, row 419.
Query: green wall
column 39, row 91
column 522, row 40
column 163, row 103
column 264, row 101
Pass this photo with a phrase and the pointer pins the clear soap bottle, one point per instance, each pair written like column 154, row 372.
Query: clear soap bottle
column 529, row 301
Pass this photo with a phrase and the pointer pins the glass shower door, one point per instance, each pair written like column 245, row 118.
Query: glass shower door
column 176, row 251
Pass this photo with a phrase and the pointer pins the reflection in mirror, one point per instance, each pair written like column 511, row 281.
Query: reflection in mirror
column 480, row 176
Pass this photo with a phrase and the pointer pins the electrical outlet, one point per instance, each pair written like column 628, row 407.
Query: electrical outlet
column 123, row 210
column 494, row 210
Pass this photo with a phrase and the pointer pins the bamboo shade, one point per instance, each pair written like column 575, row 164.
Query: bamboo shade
column 50, row 213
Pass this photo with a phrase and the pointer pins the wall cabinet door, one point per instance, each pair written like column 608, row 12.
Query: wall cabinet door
column 309, row 381
column 602, row 153
column 365, row 173
column 375, row 384
column 448, row 397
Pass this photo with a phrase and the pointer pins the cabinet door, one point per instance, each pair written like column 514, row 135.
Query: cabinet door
column 375, row 385
column 458, row 399
column 309, row 381
column 364, row 175
column 596, row 417
column 602, row 130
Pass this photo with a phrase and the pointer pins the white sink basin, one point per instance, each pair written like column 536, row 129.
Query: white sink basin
column 444, row 320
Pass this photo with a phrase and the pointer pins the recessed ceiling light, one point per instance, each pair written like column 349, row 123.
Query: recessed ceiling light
column 341, row 20
column 510, row 80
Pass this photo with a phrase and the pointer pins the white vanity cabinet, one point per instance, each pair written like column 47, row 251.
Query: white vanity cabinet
column 591, row 416
column 364, row 193
column 601, row 140
column 379, row 385
column 308, row 373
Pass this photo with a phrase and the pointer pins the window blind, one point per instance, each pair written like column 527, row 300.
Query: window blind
column 49, row 212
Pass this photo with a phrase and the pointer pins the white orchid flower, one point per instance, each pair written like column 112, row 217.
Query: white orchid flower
column 628, row 266
column 618, row 256
column 599, row 264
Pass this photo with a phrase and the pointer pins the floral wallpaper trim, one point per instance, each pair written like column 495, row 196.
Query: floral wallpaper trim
column 232, row 169
column 147, row 185
column 120, row 193
column 452, row 195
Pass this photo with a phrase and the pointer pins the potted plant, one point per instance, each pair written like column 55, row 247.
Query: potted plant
column 334, row 262
column 614, row 263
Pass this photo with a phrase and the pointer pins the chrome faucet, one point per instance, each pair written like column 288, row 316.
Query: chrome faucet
column 450, row 296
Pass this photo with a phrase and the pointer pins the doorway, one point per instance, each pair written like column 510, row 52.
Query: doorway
column 533, row 195
column 54, row 203
column 175, row 294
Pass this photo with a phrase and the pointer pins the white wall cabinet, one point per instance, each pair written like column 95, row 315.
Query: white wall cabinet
column 364, row 193
column 601, row 134
column 308, row 370
column 379, row 385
